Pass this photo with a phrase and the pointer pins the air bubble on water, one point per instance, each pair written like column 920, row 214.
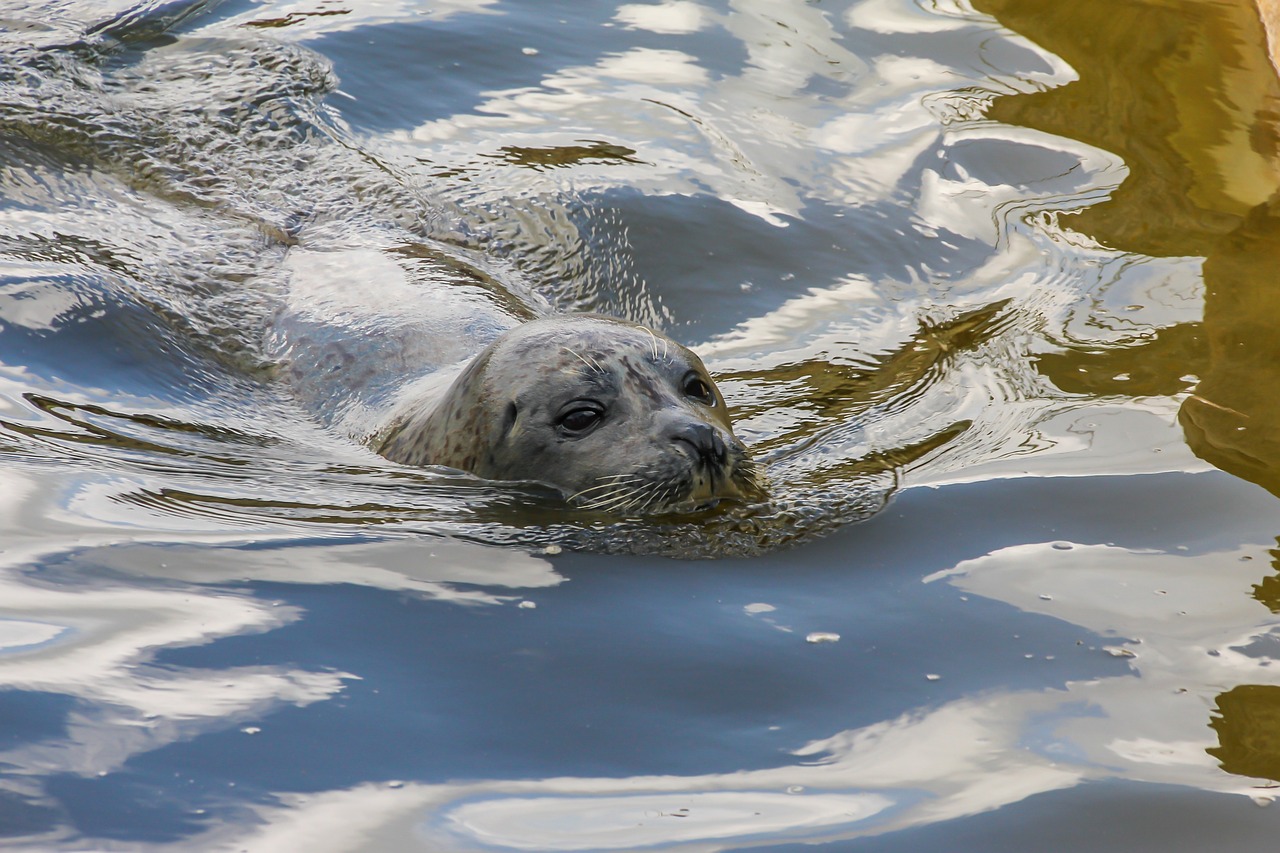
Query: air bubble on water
column 527, row 605
column 251, row 730
column 822, row 637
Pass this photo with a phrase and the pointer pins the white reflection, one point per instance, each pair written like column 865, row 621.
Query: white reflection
column 976, row 208
column 35, row 298
column 965, row 757
column 651, row 66
column 429, row 569
column 95, row 639
column 959, row 759
column 1189, row 621
column 791, row 116
column 894, row 16
column 595, row 823
column 97, row 645
column 17, row 634
column 674, row 17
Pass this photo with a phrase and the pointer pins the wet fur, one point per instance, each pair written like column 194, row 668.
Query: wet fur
column 498, row 419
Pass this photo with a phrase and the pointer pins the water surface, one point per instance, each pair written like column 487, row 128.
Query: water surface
column 988, row 288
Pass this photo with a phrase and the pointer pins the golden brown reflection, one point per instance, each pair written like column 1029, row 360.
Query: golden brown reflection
column 1267, row 591
column 824, row 394
column 1154, row 368
column 294, row 18
column 1187, row 94
column 1233, row 419
column 1248, row 728
column 558, row 156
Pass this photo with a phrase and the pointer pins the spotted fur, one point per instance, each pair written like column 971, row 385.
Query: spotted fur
column 655, row 447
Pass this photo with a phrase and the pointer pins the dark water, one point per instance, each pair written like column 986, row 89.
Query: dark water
column 991, row 290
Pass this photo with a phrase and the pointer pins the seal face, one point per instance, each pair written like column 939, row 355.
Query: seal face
column 619, row 417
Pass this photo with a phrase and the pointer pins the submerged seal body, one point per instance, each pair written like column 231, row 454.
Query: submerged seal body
column 619, row 417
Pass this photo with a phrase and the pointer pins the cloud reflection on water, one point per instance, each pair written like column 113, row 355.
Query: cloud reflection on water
column 883, row 123
column 1184, row 634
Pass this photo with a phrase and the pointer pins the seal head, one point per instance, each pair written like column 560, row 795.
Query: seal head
column 619, row 417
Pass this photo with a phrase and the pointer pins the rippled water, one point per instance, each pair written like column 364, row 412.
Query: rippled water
column 995, row 283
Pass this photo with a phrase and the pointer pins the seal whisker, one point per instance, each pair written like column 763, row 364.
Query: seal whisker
column 653, row 343
column 615, row 482
column 609, row 503
column 621, row 500
column 589, row 362
column 613, row 493
column 658, row 498
column 599, row 488
column 659, row 495
column 608, row 435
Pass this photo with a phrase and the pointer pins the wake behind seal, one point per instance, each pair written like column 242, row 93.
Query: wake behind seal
column 619, row 417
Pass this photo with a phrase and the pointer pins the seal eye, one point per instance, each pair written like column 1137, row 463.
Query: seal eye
column 580, row 420
column 699, row 389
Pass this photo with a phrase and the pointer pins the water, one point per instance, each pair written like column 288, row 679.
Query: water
column 988, row 289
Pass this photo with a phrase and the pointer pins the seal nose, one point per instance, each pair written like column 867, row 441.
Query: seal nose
column 707, row 445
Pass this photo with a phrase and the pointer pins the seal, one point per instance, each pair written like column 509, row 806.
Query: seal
column 620, row 418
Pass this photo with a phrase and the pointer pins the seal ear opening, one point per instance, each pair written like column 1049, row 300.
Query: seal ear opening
column 509, row 418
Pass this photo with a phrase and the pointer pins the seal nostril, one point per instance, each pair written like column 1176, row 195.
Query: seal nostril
column 718, row 450
column 706, row 443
